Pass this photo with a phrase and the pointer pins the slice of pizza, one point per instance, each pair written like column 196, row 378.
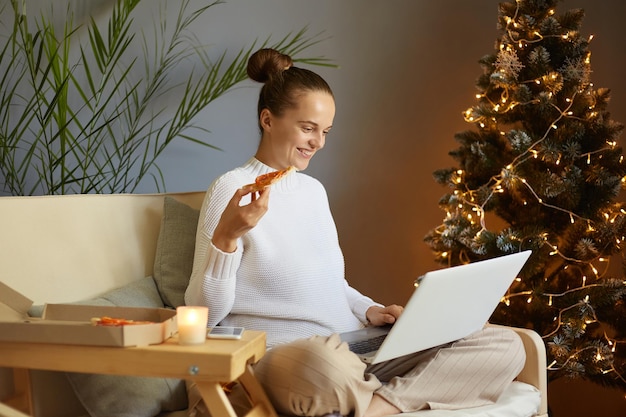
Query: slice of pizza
column 111, row 321
column 265, row 180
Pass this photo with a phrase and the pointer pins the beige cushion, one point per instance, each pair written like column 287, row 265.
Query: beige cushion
column 175, row 250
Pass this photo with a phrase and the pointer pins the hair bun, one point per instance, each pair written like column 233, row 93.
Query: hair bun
column 267, row 62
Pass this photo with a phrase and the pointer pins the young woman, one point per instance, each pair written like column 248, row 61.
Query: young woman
column 270, row 260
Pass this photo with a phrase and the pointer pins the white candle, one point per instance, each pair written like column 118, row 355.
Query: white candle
column 192, row 322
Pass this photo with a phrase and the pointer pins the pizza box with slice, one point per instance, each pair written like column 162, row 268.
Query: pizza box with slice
column 72, row 323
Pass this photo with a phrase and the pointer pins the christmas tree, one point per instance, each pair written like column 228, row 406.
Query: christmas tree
column 541, row 169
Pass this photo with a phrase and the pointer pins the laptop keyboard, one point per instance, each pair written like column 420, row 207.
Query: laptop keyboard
column 369, row 345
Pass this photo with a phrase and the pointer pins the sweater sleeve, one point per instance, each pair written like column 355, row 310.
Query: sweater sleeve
column 213, row 277
column 359, row 303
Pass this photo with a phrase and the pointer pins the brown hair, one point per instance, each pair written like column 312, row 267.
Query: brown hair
column 282, row 81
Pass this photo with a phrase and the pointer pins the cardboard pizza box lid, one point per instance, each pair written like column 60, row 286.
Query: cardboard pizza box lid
column 71, row 323
column 13, row 305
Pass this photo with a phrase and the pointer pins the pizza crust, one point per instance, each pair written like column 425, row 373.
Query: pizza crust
column 265, row 180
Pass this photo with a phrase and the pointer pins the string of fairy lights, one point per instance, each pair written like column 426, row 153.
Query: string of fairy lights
column 509, row 178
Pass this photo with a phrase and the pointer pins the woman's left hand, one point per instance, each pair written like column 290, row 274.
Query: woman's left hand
column 379, row 316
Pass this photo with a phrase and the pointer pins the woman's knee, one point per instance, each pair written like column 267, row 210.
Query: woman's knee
column 318, row 360
column 310, row 376
column 507, row 344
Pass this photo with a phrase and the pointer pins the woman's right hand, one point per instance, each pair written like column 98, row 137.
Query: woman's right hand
column 237, row 220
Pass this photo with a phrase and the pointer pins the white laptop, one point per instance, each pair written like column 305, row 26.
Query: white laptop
column 447, row 304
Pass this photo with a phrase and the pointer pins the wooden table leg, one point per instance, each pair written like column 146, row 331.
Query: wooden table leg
column 20, row 400
column 215, row 399
column 219, row 404
column 261, row 405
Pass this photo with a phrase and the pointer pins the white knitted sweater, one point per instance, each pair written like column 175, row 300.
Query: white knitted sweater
column 287, row 275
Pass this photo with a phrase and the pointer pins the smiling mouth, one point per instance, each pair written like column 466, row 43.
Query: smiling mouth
column 305, row 152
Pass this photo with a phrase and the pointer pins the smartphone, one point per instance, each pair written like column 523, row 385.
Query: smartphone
column 225, row 332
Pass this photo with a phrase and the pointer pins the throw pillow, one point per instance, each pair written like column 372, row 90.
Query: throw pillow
column 175, row 250
column 140, row 293
column 128, row 396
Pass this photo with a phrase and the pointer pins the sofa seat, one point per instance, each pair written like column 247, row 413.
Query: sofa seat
column 518, row 400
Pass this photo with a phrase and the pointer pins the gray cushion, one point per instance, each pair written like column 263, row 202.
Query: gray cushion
column 175, row 250
column 128, row 396
column 140, row 293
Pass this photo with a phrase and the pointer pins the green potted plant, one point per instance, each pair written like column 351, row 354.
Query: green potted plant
column 75, row 117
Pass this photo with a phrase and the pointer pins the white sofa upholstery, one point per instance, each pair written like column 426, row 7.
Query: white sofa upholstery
column 60, row 249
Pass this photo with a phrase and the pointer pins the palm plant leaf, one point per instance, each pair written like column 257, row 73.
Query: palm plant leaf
column 75, row 116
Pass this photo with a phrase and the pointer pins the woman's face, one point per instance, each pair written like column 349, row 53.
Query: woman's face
column 294, row 137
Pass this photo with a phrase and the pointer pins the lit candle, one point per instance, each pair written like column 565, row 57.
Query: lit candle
column 192, row 324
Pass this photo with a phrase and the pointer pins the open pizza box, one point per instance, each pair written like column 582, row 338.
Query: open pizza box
column 72, row 323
